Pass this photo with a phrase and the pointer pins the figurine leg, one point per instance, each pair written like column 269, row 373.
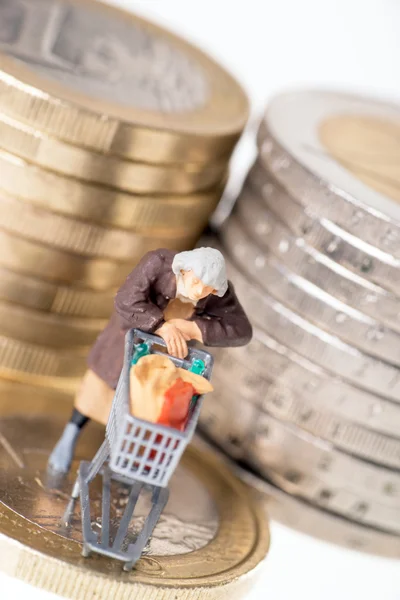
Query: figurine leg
column 63, row 453
column 93, row 400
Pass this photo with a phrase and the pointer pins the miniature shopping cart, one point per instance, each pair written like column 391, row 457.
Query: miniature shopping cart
column 136, row 453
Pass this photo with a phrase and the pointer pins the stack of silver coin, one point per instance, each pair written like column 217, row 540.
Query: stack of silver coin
column 312, row 405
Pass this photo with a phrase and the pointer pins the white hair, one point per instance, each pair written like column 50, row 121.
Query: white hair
column 208, row 264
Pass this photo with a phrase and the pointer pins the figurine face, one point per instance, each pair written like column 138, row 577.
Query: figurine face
column 195, row 289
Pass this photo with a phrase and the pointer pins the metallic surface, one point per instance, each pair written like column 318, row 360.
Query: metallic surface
column 292, row 151
column 309, row 301
column 55, row 331
column 299, row 377
column 152, row 215
column 12, row 393
column 297, row 409
column 47, row 262
column 310, row 408
column 308, row 466
column 366, row 260
column 39, row 294
column 307, row 518
column 145, row 178
column 313, row 343
column 268, row 443
column 208, row 544
column 275, row 234
column 31, row 362
column 74, row 236
column 342, row 501
column 185, row 107
column 73, row 52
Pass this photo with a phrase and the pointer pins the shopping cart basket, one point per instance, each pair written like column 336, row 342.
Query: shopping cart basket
column 136, row 453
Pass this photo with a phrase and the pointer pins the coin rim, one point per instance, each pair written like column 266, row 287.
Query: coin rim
column 208, row 123
column 269, row 493
column 383, row 207
column 296, row 295
column 290, row 415
column 36, row 186
column 363, row 285
column 290, row 357
column 383, row 265
column 86, row 165
column 308, row 329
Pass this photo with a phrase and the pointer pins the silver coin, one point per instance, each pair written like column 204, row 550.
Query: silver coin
column 299, row 471
column 343, row 502
column 368, row 262
column 291, row 147
column 304, row 297
column 106, row 57
column 264, row 355
column 318, row 268
column 290, row 405
column 305, row 465
column 236, row 431
column 312, row 342
column 305, row 517
column 295, row 452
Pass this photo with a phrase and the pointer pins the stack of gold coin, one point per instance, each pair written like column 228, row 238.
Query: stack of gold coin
column 313, row 248
column 115, row 138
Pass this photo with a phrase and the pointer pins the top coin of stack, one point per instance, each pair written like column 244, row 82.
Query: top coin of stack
column 115, row 137
column 313, row 248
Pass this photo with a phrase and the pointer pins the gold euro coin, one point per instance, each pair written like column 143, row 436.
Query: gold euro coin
column 104, row 79
column 69, row 234
column 47, row 296
column 67, row 385
column 36, row 364
column 151, row 215
column 12, row 393
column 208, row 543
column 55, row 331
column 142, row 178
column 36, row 259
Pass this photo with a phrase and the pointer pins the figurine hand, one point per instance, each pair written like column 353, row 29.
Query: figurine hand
column 189, row 329
column 175, row 340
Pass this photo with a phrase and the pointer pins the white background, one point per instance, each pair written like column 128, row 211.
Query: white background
column 271, row 46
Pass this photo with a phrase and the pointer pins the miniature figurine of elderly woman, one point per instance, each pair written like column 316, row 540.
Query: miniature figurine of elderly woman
column 180, row 297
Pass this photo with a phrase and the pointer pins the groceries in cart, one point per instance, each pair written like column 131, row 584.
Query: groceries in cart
column 161, row 392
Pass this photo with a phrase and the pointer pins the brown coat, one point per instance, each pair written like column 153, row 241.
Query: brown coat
column 140, row 303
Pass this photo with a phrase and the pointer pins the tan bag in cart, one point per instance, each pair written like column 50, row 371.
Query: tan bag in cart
column 150, row 380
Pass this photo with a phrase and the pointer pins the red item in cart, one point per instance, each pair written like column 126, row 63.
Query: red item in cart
column 175, row 409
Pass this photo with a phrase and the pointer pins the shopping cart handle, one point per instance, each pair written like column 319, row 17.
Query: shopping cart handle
column 148, row 338
column 141, row 344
